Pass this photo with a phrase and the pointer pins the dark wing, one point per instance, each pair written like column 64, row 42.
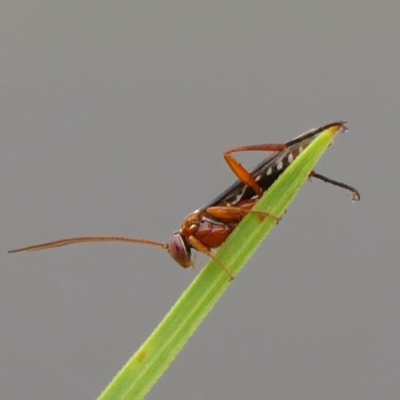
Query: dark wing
column 269, row 170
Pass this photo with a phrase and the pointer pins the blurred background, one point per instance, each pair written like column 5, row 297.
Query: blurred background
column 114, row 118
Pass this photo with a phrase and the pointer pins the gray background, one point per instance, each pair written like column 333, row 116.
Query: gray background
column 114, row 117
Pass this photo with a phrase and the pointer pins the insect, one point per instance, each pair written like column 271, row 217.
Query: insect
column 208, row 227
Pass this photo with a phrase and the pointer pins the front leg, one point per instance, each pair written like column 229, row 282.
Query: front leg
column 200, row 247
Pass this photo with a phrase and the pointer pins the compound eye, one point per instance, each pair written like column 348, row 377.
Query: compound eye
column 180, row 251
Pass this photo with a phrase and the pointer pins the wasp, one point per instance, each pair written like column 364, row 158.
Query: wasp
column 208, row 227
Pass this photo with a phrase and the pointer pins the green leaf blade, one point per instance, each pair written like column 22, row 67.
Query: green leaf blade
column 143, row 370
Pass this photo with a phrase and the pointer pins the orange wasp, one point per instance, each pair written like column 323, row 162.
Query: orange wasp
column 208, row 227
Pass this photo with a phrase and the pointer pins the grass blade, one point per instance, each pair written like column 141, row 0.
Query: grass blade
column 143, row 370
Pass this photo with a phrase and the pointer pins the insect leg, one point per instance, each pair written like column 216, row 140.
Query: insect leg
column 242, row 172
column 355, row 196
column 236, row 214
column 197, row 245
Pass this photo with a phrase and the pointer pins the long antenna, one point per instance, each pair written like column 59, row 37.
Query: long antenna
column 88, row 239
